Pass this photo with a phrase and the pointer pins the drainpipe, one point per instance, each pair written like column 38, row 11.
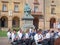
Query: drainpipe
column 44, row 12
column 0, row 20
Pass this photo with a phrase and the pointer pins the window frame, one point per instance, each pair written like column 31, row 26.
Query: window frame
column 53, row 8
column 16, row 7
column 36, row 8
column 4, row 7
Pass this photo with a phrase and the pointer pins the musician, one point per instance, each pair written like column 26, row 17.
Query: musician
column 27, row 38
column 9, row 34
column 59, row 32
column 20, row 34
column 38, row 37
column 14, row 36
column 52, row 38
column 47, row 37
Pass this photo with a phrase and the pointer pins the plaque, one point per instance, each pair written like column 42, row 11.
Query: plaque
column 10, row 12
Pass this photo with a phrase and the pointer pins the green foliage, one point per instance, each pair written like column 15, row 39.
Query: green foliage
column 17, row 29
column 4, row 33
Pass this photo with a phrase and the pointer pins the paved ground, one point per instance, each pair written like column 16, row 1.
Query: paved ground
column 4, row 41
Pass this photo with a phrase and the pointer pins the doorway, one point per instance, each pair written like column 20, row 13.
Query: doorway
column 36, row 22
column 52, row 21
column 4, row 21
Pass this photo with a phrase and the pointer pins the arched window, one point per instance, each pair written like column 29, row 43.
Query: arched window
column 4, row 21
column 36, row 22
column 52, row 21
column 15, row 22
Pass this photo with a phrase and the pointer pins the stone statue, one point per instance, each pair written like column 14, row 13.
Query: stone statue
column 27, row 18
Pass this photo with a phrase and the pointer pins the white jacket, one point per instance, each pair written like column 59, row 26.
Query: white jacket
column 19, row 34
column 37, row 37
column 9, row 34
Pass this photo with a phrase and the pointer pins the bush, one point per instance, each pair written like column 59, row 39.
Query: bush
column 17, row 29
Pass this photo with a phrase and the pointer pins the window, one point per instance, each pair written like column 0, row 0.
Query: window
column 4, row 7
column 53, row 11
column 14, row 22
column 16, row 9
column 35, row 8
column 52, row 22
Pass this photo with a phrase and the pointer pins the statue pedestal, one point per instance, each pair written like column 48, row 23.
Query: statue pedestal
column 27, row 24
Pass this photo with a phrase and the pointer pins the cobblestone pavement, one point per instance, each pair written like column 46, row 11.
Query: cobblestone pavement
column 4, row 41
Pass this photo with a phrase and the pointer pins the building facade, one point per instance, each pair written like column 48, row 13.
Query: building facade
column 12, row 11
column 52, row 13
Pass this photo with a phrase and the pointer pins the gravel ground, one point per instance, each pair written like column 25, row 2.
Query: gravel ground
column 4, row 41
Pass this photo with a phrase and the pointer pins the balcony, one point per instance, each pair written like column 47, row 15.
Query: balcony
column 36, row 13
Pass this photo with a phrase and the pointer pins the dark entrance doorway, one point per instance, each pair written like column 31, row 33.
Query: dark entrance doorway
column 36, row 22
column 15, row 22
column 52, row 21
column 4, row 21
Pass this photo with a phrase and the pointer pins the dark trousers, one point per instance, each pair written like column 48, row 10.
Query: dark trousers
column 15, row 42
column 52, row 41
column 28, row 42
column 20, row 41
column 46, row 42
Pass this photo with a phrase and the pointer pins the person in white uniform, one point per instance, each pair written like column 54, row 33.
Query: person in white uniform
column 9, row 34
column 48, row 35
column 27, row 35
column 38, row 37
column 14, row 38
column 14, row 35
column 20, row 34
column 27, row 41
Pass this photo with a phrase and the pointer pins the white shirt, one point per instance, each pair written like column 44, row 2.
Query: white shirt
column 37, row 37
column 9, row 34
column 26, row 35
column 52, row 34
column 13, row 37
column 19, row 34
column 30, row 30
column 58, row 26
column 59, row 33
column 48, row 35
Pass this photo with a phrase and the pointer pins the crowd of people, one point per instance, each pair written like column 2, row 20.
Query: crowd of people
column 33, row 36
